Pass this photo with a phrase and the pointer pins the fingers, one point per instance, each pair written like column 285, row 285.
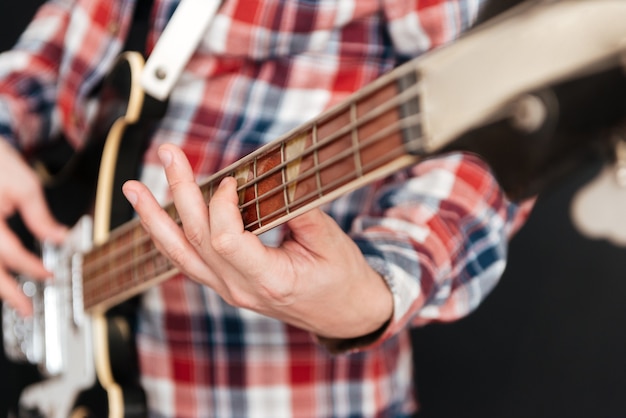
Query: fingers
column 212, row 246
column 187, row 196
column 228, row 236
column 309, row 224
column 315, row 232
column 265, row 275
column 166, row 233
column 26, row 197
column 14, row 256
column 12, row 294
column 38, row 219
column 161, row 227
column 225, row 220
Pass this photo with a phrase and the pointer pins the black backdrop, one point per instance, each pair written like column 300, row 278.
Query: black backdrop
column 548, row 342
column 14, row 15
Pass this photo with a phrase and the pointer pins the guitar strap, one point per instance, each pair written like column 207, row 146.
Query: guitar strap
column 162, row 69
column 175, row 46
column 138, row 33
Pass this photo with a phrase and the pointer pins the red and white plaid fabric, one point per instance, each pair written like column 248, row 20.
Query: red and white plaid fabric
column 438, row 232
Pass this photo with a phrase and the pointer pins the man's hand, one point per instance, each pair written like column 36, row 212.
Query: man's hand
column 21, row 192
column 317, row 279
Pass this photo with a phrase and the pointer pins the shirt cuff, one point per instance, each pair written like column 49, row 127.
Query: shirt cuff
column 346, row 345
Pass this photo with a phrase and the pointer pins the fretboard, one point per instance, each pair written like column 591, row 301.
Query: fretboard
column 374, row 133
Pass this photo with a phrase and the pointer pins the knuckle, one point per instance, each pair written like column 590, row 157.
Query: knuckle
column 177, row 184
column 194, row 235
column 279, row 293
column 241, row 299
column 278, row 287
column 225, row 244
column 178, row 255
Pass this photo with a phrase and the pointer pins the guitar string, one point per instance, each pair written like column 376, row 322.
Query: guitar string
column 120, row 277
column 378, row 111
column 400, row 124
column 139, row 269
column 313, row 150
column 328, row 163
column 308, row 173
column 319, row 191
column 345, row 130
column 134, row 243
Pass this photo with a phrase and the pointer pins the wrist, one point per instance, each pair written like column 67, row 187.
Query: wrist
column 367, row 314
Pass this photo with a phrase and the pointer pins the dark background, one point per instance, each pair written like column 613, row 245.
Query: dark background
column 548, row 342
column 14, row 15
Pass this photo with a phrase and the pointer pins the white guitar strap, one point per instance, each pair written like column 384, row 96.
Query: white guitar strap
column 176, row 44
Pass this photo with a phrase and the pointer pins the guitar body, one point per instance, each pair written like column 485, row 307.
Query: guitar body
column 87, row 362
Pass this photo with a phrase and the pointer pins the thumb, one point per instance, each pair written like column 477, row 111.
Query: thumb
column 314, row 229
column 27, row 197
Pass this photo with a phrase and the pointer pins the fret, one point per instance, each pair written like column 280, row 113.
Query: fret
column 207, row 192
column 138, row 267
column 355, row 141
column 247, row 193
column 374, row 116
column 316, row 162
column 211, row 191
column 335, row 137
column 269, row 183
column 284, row 175
column 148, row 262
column 138, row 270
column 412, row 132
column 255, row 175
column 295, row 182
column 172, row 213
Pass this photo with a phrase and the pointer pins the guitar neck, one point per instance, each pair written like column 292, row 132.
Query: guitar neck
column 371, row 135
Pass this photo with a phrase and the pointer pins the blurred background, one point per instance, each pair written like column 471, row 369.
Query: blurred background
column 14, row 16
column 550, row 341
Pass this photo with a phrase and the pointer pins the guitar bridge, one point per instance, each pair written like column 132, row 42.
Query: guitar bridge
column 43, row 338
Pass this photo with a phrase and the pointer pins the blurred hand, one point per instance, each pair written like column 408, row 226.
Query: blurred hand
column 21, row 192
column 317, row 279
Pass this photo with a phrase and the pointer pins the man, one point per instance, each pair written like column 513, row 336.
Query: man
column 307, row 320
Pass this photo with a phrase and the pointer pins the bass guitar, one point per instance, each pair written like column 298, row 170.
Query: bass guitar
column 531, row 100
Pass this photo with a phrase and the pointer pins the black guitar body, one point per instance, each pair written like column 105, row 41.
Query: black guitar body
column 70, row 185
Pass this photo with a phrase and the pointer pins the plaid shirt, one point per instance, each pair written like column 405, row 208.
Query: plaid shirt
column 437, row 232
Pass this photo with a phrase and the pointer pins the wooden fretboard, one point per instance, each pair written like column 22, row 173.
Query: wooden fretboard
column 376, row 132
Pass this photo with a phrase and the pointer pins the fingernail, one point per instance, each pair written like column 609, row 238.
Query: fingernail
column 225, row 181
column 131, row 196
column 165, row 157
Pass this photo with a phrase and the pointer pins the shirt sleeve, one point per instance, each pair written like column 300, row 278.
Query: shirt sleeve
column 438, row 234
column 29, row 74
column 419, row 26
